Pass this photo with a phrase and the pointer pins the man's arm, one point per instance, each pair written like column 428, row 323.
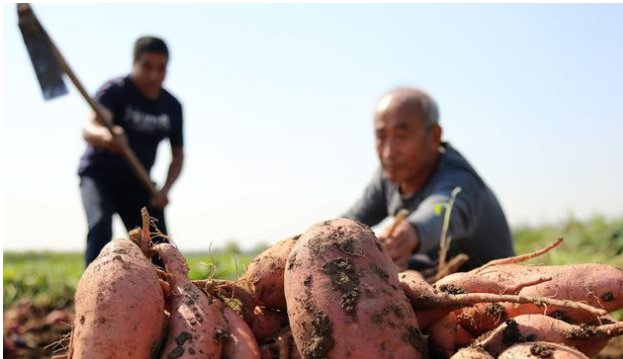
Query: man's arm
column 176, row 139
column 97, row 135
column 175, row 169
column 428, row 221
column 421, row 231
column 371, row 208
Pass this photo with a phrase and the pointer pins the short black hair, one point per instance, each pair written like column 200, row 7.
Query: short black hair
column 151, row 44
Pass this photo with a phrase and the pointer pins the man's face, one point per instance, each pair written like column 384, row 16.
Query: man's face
column 404, row 146
column 149, row 71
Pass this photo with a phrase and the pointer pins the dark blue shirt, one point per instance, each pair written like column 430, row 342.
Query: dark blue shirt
column 478, row 226
column 146, row 123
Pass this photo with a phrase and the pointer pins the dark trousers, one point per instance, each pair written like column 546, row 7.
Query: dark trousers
column 102, row 198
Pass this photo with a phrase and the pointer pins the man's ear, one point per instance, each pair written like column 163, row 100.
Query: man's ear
column 435, row 137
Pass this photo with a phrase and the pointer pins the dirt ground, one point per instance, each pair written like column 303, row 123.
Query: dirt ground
column 31, row 332
column 36, row 333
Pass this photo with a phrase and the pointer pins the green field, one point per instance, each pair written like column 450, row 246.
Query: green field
column 49, row 278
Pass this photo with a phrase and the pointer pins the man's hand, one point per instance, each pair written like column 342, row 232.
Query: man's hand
column 117, row 141
column 160, row 200
column 402, row 243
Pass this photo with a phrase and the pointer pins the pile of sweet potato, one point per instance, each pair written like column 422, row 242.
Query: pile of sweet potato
column 333, row 292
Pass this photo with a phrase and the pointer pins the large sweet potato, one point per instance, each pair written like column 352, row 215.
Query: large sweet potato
column 344, row 299
column 119, row 306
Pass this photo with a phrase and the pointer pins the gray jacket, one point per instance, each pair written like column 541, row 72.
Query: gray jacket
column 478, row 226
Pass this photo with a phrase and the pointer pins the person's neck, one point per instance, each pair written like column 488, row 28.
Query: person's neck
column 417, row 182
column 148, row 96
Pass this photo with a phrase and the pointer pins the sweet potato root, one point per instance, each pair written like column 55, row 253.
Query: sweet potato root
column 536, row 327
column 344, row 299
column 261, row 284
column 541, row 350
column 119, row 306
column 235, row 292
column 519, row 258
column 196, row 326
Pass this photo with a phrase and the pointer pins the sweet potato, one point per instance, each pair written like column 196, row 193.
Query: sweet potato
column 473, row 283
column 442, row 336
column 261, row 284
column 463, row 337
column 541, row 350
column 431, row 304
column 445, row 336
column 266, row 323
column 269, row 351
column 196, row 326
column 472, row 353
column 344, row 298
column 240, row 342
column 265, row 275
column 482, row 317
column 119, row 306
column 598, row 285
column 418, row 290
column 536, row 327
column 281, row 347
column 8, row 348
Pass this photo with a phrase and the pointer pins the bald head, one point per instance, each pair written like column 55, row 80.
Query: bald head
column 408, row 136
column 412, row 100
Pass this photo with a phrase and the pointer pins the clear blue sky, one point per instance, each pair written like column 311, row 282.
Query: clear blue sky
column 278, row 102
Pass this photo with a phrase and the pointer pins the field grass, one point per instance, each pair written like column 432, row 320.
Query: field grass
column 598, row 240
column 48, row 279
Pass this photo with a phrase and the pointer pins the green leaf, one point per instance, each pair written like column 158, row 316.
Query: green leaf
column 439, row 208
